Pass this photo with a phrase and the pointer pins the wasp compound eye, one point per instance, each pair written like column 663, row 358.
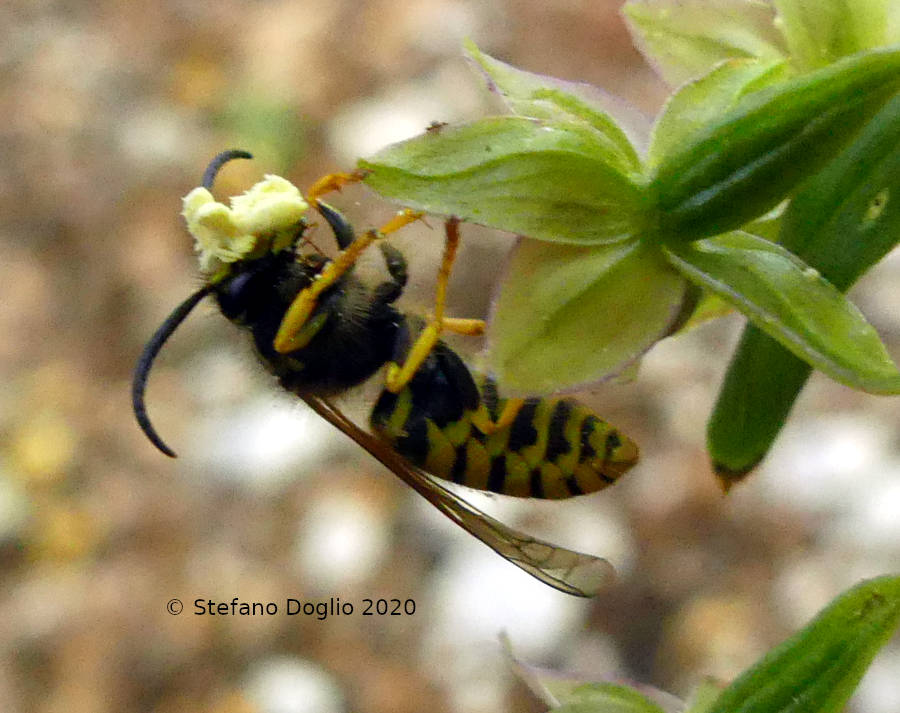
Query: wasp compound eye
column 231, row 298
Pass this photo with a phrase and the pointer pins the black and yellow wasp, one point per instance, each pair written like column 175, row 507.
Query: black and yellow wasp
column 321, row 331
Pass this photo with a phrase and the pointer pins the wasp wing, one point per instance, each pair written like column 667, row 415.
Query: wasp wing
column 568, row 571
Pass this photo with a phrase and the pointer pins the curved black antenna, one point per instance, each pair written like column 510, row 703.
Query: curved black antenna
column 142, row 369
column 209, row 175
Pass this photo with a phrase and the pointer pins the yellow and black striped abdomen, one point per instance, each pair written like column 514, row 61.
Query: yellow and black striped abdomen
column 553, row 448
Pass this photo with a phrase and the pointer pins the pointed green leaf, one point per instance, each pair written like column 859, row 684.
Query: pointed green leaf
column 684, row 39
column 705, row 695
column 761, row 384
column 848, row 216
column 608, row 698
column 842, row 222
column 702, row 101
column 551, row 688
column 792, row 303
column 820, row 31
column 550, row 181
column 555, row 100
column 569, row 315
column 744, row 164
column 818, row 669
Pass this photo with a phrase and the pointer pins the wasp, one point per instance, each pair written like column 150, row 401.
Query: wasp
column 321, row 331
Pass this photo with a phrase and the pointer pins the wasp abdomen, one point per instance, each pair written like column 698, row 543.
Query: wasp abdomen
column 554, row 447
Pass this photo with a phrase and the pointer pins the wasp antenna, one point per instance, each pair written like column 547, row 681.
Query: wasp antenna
column 209, row 175
column 142, row 369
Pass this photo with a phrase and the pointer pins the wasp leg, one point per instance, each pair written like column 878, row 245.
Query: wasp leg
column 482, row 420
column 399, row 376
column 489, row 417
column 389, row 291
column 333, row 182
column 466, row 327
column 290, row 335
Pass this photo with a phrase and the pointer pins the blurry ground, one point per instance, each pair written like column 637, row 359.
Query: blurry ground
column 111, row 110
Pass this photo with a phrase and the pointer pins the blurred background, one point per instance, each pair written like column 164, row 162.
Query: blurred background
column 111, row 111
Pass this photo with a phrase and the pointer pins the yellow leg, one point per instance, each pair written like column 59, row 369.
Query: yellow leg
column 291, row 334
column 399, row 376
column 466, row 327
column 333, row 182
column 481, row 419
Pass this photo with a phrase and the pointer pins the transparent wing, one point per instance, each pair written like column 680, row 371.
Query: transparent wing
column 568, row 571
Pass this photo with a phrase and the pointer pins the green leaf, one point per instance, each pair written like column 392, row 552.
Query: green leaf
column 550, row 181
column 569, row 315
column 607, row 698
column 548, row 688
column 820, row 31
column 792, row 303
column 684, row 39
column 847, row 217
column 842, row 222
column 555, row 100
column 709, row 307
column 704, row 696
column 760, row 387
column 892, row 29
column 701, row 101
column 745, row 163
column 817, row 670
column 768, row 226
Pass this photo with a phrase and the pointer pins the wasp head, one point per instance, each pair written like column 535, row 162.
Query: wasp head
column 265, row 220
column 268, row 218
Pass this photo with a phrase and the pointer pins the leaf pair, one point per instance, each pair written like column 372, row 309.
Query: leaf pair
column 834, row 223
column 621, row 241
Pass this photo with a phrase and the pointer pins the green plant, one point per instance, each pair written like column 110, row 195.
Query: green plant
column 815, row 671
column 788, row 131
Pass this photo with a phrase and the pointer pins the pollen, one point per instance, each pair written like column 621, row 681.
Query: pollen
column 262, row 219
